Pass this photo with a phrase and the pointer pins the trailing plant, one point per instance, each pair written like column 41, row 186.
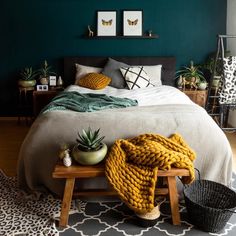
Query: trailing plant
column 28, row 73
column 89, row 140
column 46, row 70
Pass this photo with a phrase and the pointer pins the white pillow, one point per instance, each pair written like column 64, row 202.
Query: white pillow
column 136, row 77
column 82, row 70
column 154, row 73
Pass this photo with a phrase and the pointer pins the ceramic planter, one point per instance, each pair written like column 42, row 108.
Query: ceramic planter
column 44, row 81
column 216, row 81
column 89, row 158
column 27, row 83
column 202, row 86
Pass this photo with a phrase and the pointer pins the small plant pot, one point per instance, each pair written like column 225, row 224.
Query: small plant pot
column 202, row 86
column 44, row 81
column 26, row 83
column 90, row 157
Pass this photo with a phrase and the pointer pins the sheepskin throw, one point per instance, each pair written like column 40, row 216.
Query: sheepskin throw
column 132, row 165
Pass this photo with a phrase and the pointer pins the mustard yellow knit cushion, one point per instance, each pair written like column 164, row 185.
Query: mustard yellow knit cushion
column 94, row 81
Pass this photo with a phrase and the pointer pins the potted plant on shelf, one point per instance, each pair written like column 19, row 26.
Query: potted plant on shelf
column 27, row 77
column 191, row 77
column 89, row 149
column 209, row 66
column 45, row 72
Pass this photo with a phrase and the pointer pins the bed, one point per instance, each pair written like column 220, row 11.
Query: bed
column 164, row 110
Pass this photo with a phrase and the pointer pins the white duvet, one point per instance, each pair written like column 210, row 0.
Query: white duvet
column 145, row 96
column 162, row 110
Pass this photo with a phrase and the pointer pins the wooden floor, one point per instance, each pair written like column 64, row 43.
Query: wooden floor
column 12, row 135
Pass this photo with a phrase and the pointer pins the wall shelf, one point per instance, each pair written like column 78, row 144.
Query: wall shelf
column 154, row 36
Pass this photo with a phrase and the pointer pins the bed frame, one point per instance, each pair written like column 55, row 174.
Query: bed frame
column 168, row 66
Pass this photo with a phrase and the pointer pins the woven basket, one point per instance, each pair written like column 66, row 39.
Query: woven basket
column 209, row 204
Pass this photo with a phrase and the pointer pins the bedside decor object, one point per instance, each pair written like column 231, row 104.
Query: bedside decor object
column 27, row 78
column 190, row 77
column 52, row 80
column 60, row 82
column 90, row 32
column 64, row 155
column 90, row 149
column 67, row 161
column 132, row 22
column 45, row 72
column 106, row 23
column 41, row 87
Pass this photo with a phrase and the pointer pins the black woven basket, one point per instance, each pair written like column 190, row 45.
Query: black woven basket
column 209, row 204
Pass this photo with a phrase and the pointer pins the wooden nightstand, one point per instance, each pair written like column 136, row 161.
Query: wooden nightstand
column 197, row 96
column 25, row 106
column 42, row 98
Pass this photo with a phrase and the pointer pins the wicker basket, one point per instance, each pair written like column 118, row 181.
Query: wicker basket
column 209, row 204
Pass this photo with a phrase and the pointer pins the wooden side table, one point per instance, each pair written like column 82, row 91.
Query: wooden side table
column 42, row 98
column 197, row 96
column 25, row 106
column 77, row 171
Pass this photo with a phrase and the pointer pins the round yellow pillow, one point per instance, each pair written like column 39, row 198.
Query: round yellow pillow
column 94, row 81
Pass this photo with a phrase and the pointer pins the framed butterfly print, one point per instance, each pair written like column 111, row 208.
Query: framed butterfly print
column 106, row 23
column 132, row 22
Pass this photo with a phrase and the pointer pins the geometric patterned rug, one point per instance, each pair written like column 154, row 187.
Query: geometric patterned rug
column 38, row 216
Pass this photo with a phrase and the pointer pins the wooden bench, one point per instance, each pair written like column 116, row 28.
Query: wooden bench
column 77, row 171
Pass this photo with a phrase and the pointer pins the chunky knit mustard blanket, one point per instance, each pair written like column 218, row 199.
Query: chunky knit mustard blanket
column 132, row 165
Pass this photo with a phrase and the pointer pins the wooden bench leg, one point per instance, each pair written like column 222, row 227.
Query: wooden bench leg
column 66, row 203
column 174, row 201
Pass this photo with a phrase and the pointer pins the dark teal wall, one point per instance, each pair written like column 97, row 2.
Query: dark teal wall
column 32, row 31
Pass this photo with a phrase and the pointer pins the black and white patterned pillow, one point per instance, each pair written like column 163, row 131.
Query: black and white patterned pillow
column 136, row 77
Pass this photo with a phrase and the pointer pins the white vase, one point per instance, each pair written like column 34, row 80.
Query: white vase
column 67, row 161
column 59, row 82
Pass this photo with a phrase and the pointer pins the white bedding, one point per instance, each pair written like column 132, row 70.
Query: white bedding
column 150, row 96
column 162, row 110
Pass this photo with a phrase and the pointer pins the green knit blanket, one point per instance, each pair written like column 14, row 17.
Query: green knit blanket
column 88, row 102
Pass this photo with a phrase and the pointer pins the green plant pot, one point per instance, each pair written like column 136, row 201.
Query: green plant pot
column 89, row 158
column 26, row 83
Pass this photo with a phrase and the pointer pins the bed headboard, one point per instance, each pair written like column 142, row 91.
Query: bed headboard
column 168, row 66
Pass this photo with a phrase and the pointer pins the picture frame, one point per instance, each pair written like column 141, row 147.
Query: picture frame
column 106, row 23
column 52, row 80
column 132, row 22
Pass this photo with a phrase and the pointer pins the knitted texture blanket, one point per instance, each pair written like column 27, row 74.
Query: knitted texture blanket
column 132, row 165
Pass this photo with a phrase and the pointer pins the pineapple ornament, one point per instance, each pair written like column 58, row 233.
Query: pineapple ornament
column 67, row 161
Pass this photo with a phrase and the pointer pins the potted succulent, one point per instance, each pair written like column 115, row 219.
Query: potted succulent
column 89, row 149
column 45, row 72
column 27, row 77
column 191, row 76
